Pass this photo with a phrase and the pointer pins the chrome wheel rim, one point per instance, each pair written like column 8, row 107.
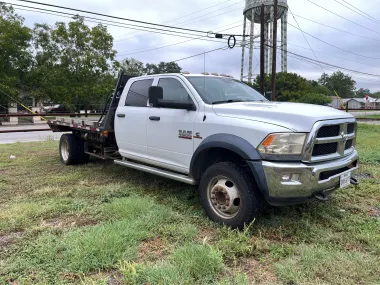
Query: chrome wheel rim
column 224, row 197
column 65, row 150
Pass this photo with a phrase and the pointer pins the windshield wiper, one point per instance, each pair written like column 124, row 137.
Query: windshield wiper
column 228, row 101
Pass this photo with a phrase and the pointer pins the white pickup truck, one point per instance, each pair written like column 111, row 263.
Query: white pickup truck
column 220, row 134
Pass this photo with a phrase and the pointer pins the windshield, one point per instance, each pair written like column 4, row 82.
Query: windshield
column 217, row 90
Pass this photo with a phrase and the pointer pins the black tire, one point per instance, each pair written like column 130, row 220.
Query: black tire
column 71, row 150
column 249, row 200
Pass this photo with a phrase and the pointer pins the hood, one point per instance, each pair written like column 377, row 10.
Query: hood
column 294, row 116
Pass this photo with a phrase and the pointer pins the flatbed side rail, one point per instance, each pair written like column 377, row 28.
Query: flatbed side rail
column 73, row 124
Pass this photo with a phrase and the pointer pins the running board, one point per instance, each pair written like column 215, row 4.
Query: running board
column 157, row 171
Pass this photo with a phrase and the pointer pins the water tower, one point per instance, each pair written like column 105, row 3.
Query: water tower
column 252, row 13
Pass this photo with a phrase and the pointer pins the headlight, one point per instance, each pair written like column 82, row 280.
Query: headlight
column 282, row 143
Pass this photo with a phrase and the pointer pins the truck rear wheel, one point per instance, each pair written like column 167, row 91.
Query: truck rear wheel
column 229, row 196
column 71, row 150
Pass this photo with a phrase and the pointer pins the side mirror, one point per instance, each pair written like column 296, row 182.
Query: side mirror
column 155, row 93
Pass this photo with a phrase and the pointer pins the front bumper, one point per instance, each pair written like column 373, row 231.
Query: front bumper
column 310, row 181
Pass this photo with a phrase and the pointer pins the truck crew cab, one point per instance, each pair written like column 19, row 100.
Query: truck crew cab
column 220, row 134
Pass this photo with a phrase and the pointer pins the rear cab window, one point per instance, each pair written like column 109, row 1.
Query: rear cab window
column 138, row 93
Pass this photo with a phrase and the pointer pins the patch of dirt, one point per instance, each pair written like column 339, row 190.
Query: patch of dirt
column 374, row 212
column 276, row 235
column 256, row 272
column 152, row 249
column 68, row 222
column 364, row 175
column 111, row 277
column 354, row 247
column 206, row 235
column 8, row 239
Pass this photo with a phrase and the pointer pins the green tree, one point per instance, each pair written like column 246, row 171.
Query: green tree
column 163, row 67
column 74, row 64
column 315, row 98
column 15, row 58
column 361, row 93
column 343, row 84
column 132, row 66
column 289, row 86
column 376, row 95
column 320, row 89
column 294, row 88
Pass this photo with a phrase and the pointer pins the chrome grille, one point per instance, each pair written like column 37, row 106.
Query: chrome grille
column 330, row 140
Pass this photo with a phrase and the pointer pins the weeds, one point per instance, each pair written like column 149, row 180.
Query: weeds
column 104, row 224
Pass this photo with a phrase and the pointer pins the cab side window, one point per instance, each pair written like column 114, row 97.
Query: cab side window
column 173, row 90
column 138, row 93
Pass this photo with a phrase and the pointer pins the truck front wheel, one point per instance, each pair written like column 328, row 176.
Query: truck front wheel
column 229, row 196
column 71, row 150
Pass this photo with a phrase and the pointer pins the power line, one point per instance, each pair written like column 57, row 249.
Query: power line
column 332, row 65
column 357, row 11
column 334, row 45
column 189, row 14
column 110, row 16
column 341, row 17
column 164, row 46
column 347, row 32
column 327, row 65
column 102, row 20
column 112, row 23
column 317, row 51
column 306, row 39
column 116, row 17
column 192, row 22
column 175, row 42
column 361, row 11
column 202, row 53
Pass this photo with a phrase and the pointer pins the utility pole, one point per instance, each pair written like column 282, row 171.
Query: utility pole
column 274, row 63
column 262, row 53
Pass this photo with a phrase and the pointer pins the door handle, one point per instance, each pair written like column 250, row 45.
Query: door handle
column 121, row 115
column 154, row 118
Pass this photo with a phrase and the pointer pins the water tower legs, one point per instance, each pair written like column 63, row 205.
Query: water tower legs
column 266, row 49
column 250, row 52
column 284, row 42
column 243, row 50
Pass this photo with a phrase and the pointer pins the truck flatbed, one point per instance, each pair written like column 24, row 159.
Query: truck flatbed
column 98, row 134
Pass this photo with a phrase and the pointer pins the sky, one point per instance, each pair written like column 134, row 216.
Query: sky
column 362, row 49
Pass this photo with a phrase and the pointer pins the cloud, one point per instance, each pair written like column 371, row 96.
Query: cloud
column 209, row 15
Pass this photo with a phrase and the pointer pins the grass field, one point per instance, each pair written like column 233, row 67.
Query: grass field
column 105, row 224
column 374, row 116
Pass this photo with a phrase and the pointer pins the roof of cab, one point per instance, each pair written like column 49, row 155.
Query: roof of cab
column 186, row 75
